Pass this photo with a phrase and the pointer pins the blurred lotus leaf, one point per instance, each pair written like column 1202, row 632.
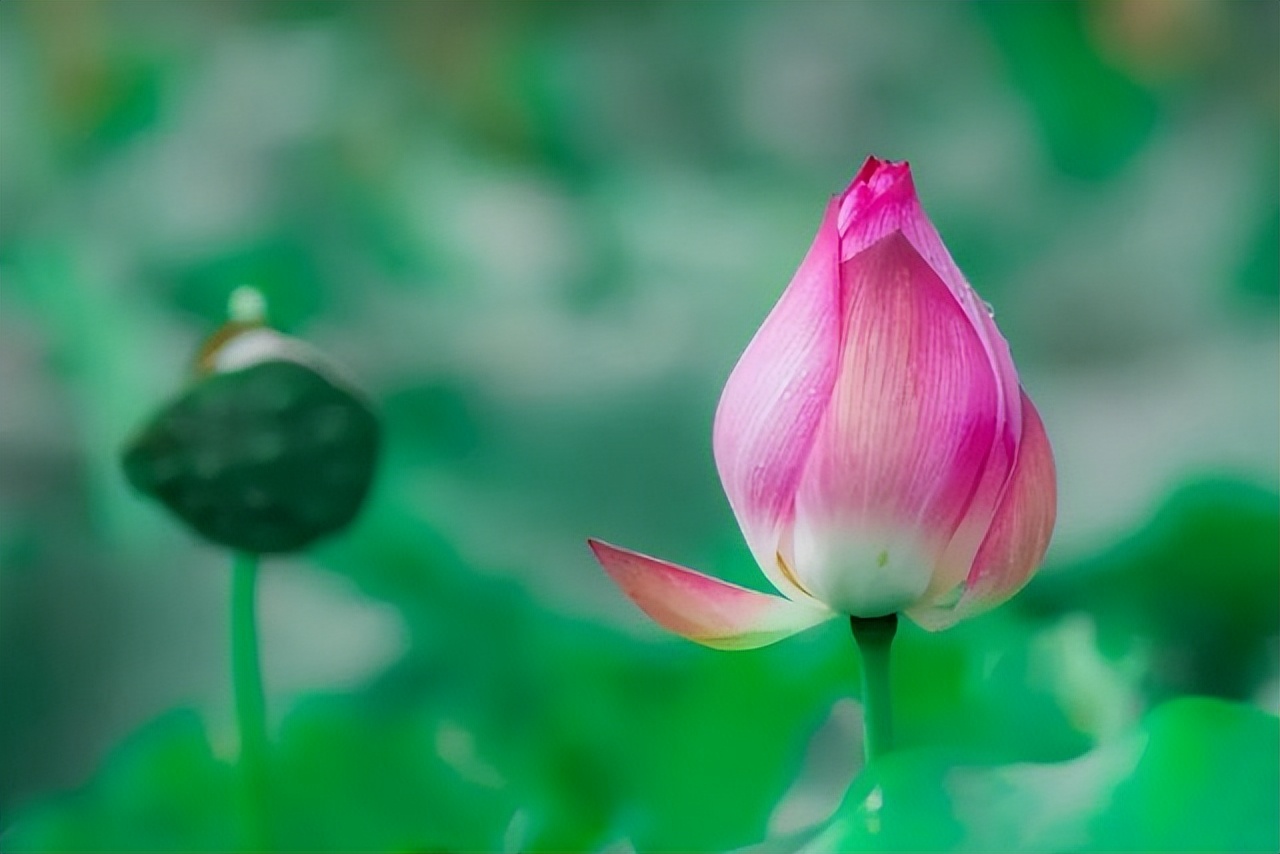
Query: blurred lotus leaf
column 161, row 789
column 1173, row 784
column 339, row 783
column 1197, row 588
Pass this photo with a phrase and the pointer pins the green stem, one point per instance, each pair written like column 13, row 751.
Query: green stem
column 251, row 707
column 874, row 636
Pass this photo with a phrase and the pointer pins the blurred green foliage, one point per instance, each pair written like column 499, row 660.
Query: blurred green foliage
column 540, row 233
column 576, row 737
column 1198, row 587
column 1171, row 785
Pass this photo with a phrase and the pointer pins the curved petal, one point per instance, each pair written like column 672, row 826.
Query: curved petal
column 701, row 608
column 1020, row 531
column 773, row 401
column 904, row 443
column 880, row 200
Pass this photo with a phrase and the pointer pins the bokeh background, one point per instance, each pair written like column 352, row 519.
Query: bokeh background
column 541, row 234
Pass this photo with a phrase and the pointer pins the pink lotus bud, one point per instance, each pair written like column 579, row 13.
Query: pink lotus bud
column 873, row 440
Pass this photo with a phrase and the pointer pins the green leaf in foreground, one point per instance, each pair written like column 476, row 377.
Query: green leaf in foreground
column 344, row 777
column 1196, row 588
column 162, row 789
column 1197, row 775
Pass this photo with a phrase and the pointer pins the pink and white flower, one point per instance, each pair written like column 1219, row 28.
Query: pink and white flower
column 875, row 444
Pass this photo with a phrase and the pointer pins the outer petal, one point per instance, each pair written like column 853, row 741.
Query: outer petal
column 881, row 200
column 1019, row 535
column 701, row 608
column 773, row 401
column 904, row 443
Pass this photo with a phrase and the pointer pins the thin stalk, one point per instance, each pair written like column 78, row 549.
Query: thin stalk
column 251, row 707
column 874, row 636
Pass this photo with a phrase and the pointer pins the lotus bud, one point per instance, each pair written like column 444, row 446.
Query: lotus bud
column 874, row 442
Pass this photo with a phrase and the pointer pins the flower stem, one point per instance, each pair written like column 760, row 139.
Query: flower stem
column 874, row 636
column 251, row 710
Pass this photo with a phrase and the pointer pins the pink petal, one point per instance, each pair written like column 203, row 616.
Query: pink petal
column 905, row 442
column 1019, row 534
column 880, row 200
column 701, row 608
column 774, row 399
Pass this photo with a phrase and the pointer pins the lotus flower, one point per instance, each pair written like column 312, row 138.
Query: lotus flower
column 874, row 442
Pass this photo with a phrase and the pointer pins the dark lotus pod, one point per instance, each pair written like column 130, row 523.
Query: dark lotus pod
column 262, row 458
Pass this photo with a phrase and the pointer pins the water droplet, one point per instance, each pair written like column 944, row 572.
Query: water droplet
column 991, row 309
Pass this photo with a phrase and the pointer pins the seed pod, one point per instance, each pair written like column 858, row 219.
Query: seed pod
column 266, row 451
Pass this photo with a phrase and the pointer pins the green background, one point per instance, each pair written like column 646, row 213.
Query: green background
column 541, row 234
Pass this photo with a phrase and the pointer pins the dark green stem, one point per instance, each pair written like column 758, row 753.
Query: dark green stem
column 874, row 636
column 251, row 707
